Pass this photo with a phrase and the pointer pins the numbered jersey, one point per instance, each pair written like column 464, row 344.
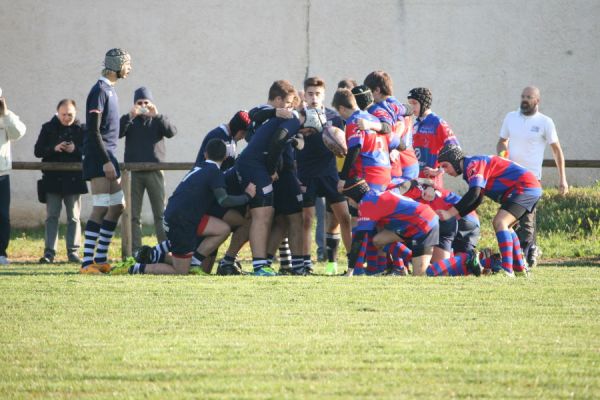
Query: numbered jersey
column 373, row 161
column 194, row 194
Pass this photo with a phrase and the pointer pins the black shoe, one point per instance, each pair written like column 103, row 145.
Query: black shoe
column 47, row 259
column 225, row 269
column 144, row 255
column 285, row 271
column 74, row 258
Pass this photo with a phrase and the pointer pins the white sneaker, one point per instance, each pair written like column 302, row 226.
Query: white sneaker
column 4, row 260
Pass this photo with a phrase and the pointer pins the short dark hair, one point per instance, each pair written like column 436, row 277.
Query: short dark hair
column 216, row 150
column 347, row 84
column 66, row 102
column 281, row 88
column 381, row 80
column 314, row 81
column 344, row 97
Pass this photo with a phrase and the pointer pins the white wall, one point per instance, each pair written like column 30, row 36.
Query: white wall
column 203, row 60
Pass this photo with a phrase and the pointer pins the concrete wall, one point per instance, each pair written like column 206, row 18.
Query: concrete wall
column 205, row 59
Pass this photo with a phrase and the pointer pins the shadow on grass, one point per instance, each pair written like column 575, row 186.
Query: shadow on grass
column 571, row 262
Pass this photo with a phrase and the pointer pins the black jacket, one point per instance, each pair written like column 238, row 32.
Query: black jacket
column 53, row 133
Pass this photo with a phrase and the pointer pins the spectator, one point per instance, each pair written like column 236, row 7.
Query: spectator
column 61, row 140
column 523, row 139
column 11, row 128
column 145, row 131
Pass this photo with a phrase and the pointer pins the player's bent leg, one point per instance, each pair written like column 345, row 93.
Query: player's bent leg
column 180, row 266
column 214, row 233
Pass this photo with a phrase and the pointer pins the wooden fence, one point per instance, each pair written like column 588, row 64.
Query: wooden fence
column 126, row 169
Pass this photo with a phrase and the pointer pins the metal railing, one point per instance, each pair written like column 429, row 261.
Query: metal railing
column 126, row 169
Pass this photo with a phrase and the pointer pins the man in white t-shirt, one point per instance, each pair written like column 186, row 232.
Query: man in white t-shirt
column 523, row 139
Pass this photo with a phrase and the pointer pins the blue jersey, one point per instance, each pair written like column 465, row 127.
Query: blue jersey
column 255, row 154
column 194, row 194
column 103, row 99
column 220, row 132
column 315, row 159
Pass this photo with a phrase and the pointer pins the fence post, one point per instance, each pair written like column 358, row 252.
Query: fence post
column 126, row 217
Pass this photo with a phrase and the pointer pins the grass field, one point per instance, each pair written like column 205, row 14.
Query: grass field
column 63, row 335
column 71, row 336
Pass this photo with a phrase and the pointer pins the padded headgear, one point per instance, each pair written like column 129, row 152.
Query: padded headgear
column 315, row 119
column 239, row 122
column 115, row 59
column 363, row 96
column 423, row 96
column 453, row 154
column 355, row 188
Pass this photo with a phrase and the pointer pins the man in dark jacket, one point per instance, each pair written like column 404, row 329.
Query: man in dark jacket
column 60, row 140
column 145, row 131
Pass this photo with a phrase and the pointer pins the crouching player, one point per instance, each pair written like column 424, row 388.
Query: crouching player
column 398, row 218
column 506, row 182
column 454, row 254
column 185, row 216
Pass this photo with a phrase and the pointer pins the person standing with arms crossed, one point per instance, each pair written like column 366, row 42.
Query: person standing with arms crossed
column 523, row 139
column 100, row 166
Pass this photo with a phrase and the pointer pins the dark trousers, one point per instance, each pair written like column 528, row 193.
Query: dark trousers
column 526, row 233
column 4, row 213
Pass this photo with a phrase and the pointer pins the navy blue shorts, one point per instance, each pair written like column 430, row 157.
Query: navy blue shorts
column 321, row 186
column 420, row 244
column 287, row 194
column 92, row 166
column 448, row 231
column 467, row 236
column 261, row 178
column 181, row 232
column 525, row 200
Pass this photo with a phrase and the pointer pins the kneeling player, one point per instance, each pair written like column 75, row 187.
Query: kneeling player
column 399, row 219
column 186, row 218
column 506, row 182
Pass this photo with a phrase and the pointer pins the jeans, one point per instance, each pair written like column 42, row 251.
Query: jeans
column 73, row 209
column 4, row 214
column 154, row 183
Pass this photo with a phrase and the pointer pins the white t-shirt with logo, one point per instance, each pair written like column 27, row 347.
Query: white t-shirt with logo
column 528, row 136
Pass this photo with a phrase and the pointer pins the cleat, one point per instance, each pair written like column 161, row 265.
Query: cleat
column 398, row 272
column 90, row 270
column 473, row 265
column 298, row 271
column 144, row 255
column 226, row 268
column 522, row 274
column 265, row 271
column 122, row 268
column 198, row 271
column 74, row 258
column 105, row 268
column 285, row 271
column 331, row 268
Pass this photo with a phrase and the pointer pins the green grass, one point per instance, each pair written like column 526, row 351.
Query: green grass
column 70, row 336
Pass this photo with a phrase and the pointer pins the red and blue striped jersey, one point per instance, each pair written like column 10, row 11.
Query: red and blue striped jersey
column 395, row 212
column 373, row 161
column 499, row 178
column 429, row 136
